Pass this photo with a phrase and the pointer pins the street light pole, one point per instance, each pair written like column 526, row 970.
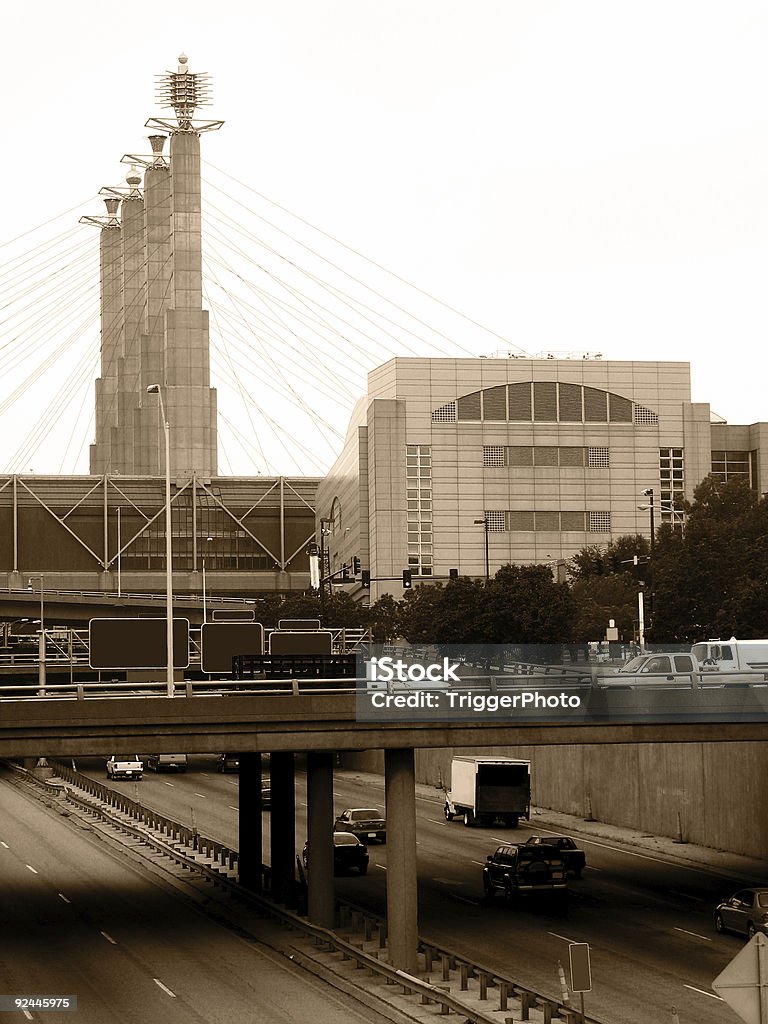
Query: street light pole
column 648, row 492
column 119, row 582
column 484, row 522
column 154, row 389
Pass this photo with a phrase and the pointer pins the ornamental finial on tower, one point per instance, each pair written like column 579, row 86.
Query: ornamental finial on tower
column 184, row 91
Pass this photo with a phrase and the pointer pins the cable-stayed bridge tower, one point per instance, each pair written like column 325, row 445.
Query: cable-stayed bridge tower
column 154, row 329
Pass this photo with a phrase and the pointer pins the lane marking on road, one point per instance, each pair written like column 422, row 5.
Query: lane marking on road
column 168, row 784
column 704, row 993
column 588, row 867
column 232, row 807
column 437, row 821
column 447, row 881
column 505, row 840
column 27, row 1014
column 109, row 938
column 707, row 938
column 382, row 866
column 686, row 895
column 33, row 870
column 63, row 897
column 164, row 988
column 205, row 775
column 474, row 903
column 5, row 845
column 563, row 937
column 480, row 862
column 201, row 795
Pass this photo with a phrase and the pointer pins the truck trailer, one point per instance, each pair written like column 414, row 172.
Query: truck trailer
column 487, row 789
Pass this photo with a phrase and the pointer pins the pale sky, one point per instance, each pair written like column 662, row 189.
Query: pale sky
column 577, row 177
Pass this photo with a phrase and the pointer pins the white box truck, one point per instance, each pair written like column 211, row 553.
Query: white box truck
column 732, row 655
column 489, row 788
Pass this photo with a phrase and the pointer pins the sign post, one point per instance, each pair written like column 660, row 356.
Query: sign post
column 581, row 971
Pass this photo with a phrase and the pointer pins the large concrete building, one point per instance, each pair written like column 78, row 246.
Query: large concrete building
column 469, row 464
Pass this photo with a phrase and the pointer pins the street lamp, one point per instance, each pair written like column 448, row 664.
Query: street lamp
column 484, row 523
column 41, row 641
column 154, row 389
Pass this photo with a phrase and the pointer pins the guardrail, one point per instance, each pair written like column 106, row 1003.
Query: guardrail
column 350, row 917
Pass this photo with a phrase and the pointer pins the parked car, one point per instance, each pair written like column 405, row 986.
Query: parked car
column 575, row 860
column 167, row 762
column 365, row 822
column 124, row 766
column 228, row 763
column 349, row 854
column 524, row 869
column 746, row 912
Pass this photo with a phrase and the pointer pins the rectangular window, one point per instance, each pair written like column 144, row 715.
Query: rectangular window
column 545, row 401
column 572, row 456
column 595, row 406
column 520, row 455
column 495, row 403
column 572, row 522
column 570, row 403
column 620, row 409
column 547, row 521
column 468, row 406
column 544, row 455
column 520, row 402
column 520, row 521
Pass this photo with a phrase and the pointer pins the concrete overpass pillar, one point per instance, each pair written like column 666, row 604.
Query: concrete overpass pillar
column 320, row 837
column 249, row 822
column 282, row 835
column 402, row 896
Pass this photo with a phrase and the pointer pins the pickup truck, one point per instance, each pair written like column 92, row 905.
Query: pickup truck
column 575, row 860
column 124, row 766
column 524, row 869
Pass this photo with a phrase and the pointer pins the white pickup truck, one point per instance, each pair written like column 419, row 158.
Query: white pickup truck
column 124, row 766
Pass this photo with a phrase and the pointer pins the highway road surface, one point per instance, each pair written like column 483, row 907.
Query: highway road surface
column 648, row 921
column 78, row 920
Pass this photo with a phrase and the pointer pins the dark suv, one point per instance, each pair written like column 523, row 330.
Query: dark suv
column 575, row 859
column 524, row 869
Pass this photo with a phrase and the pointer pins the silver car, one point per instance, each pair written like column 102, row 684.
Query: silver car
column 746, row 912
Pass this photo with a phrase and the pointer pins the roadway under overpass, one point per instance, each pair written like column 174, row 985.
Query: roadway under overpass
column 317, row 725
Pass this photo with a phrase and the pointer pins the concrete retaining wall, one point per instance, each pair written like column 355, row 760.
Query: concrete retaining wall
column 718, row 789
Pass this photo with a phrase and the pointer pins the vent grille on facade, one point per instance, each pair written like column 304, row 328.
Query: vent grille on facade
column 445, row 414
column 598, row 458
column 496, row 521
column 599, row 522
column 493, row 455
column 646, row 417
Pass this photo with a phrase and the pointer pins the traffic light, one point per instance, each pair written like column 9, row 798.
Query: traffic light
column 407, row 582
column 366, row 580
column 355, row 566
